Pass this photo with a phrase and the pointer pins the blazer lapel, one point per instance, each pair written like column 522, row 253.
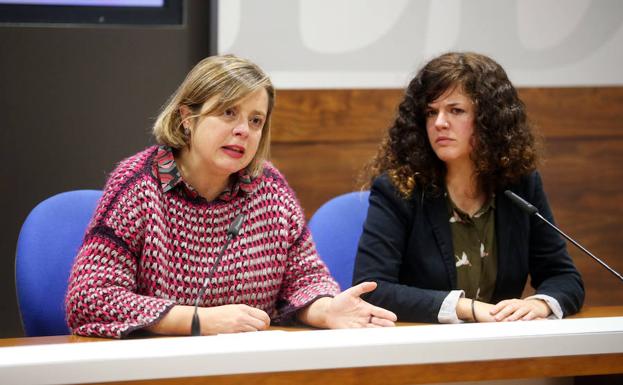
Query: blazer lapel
column 505, row 214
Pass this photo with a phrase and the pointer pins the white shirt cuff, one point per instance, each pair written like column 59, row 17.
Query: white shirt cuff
column 551, row 302
column 447, row 312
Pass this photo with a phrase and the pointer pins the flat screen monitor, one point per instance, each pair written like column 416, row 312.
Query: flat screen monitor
column 139, row 12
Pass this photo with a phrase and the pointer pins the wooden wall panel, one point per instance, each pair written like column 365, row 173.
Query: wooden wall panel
column 333, row 115
column 576, row 113
column 322, row 138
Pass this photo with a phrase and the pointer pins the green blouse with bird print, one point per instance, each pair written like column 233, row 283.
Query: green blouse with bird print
column 473, row 241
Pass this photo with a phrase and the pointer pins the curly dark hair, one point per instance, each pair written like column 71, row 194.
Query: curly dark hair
column 505, row 148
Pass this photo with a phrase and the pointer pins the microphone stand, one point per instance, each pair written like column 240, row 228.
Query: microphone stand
column 531, row 210
column 232, row 232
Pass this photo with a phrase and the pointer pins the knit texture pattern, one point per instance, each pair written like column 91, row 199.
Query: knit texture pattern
column 146, row 250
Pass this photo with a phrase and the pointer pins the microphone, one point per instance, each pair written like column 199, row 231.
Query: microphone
column 531, row 210
column 232, row 232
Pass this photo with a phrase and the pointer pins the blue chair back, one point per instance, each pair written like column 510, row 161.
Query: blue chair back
column 47, row 244
column 336, row 228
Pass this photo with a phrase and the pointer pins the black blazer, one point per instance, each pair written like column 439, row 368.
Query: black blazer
column 406, row 247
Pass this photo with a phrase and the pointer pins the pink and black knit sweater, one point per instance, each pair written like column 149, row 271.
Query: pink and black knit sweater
column 148, row 249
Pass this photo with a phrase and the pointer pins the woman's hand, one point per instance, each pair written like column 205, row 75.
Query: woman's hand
column 507, row 310
column 520, row 309
column 214, row 320
column 347, row 310
column 481, row 311
column 232, row 319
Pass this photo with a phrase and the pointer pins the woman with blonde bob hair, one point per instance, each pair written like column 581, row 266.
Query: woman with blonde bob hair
column 231, row 79
column 203, row 218
column 441, row 238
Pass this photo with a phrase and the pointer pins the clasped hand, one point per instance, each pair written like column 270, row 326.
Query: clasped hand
column 511, row 310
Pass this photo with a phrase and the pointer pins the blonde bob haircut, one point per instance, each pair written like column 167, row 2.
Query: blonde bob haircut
column 224, row 80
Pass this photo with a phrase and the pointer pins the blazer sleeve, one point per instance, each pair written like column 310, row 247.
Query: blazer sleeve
column 552, row 270
column 381, row 251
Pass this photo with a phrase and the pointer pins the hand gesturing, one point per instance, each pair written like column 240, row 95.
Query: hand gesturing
column 348, row 310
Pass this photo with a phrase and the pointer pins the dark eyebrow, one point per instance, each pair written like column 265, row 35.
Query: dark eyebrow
column 452, row 104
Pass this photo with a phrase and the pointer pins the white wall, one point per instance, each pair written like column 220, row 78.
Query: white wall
column 382, row 43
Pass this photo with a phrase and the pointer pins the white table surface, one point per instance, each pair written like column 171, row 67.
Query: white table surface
column 275, row 351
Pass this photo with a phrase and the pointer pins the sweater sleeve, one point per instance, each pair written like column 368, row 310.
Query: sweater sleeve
column 102, row 298
column 306, row 277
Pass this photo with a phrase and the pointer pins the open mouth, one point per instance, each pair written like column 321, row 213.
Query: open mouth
column 238, row 149
column 234, row 151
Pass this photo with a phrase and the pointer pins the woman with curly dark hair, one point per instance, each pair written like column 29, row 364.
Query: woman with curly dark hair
column 441, row 239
